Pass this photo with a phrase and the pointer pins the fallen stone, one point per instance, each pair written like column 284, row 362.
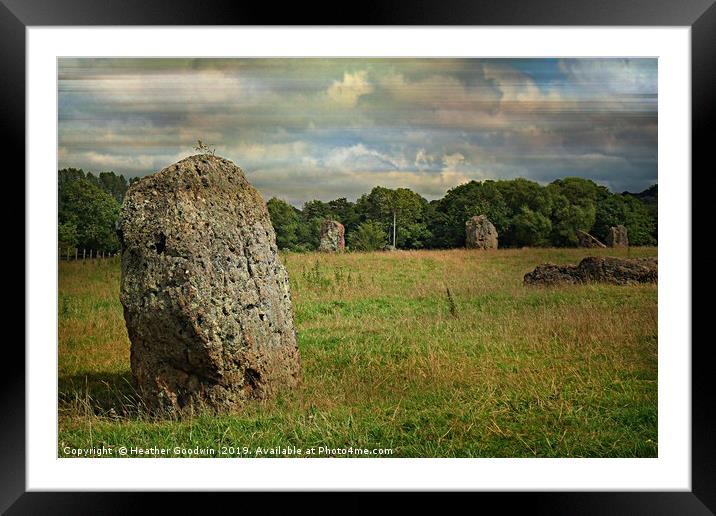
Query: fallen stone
column 206, row 300
column 587, row 240
column 593, row 269
column 480, row 233
column 332, row 237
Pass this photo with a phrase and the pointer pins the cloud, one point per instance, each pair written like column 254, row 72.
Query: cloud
column 513, row 85
column 269, row 152
column 423, row 160
column 343, row 126
column 453, row 161
column 618, row 76
column 359, row 157
column 347, row 92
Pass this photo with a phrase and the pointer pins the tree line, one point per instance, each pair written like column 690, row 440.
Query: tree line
column 524, row 213
column 88, row 208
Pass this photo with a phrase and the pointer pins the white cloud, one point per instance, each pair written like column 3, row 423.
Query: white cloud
column 611, row 75
column 455, row 171
column 347, row 92
column 514, row 86
column 98, row 161
column 360, row 157
column 153, row 91
column 423, row 160
column 268, row 152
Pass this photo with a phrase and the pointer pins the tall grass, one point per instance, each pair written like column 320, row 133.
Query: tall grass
column 429, row 353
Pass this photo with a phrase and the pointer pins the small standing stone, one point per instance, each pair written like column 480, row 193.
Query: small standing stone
column 480, row 233
column 617, row 236
column 332, row 237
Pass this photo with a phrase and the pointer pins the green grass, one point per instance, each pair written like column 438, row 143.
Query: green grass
column 495, row 369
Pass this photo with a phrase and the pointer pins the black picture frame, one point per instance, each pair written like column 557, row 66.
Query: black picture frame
column 700, row 15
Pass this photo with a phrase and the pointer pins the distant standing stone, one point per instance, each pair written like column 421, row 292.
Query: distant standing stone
column 617, row 236
column 587, row 240
column 332, row 237
column 480, row 233
column 206, row 300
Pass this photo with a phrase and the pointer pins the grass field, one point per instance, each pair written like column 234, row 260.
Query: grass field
column 391, row 360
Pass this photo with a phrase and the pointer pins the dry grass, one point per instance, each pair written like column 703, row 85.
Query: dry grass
column 391, row 360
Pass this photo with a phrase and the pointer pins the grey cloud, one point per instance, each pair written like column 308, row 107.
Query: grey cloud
column 307, row 128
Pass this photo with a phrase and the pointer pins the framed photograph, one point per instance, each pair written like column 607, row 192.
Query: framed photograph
column 404, row 250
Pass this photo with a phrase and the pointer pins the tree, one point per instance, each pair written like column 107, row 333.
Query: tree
column 462, row 202
column 344, row 212
column 632, row 213
column 529, row 206
column 93, row 213
column 67, row 235
column 518, row 193
column 530, row 228
column 113, row 184
column 567, row 218
column 399, row 212
column 574, row 208
column 369, row 236
column 312, row 216
column 285, row 222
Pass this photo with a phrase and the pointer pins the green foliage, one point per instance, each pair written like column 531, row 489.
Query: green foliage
column 316, row 210
column 518, row 193
column 407, row 208
column 67, row 235
column 568, row 217
column 344, row 212
column 113, row 184
column 463, row 202
column 286, row 222
column 530, row 228
column 574, row 207
column 369, row 236
column 632, row 213
column 524, row 213
column 87, row 215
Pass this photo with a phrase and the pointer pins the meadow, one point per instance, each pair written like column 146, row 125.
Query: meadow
column 425, row 353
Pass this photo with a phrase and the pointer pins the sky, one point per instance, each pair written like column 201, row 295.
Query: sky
column 306, row 129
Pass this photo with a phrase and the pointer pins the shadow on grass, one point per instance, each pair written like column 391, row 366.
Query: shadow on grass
column 109, row 395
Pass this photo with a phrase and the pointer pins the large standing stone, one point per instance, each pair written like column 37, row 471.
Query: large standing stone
column 594, row 269
column 617, row 236
column 206, row 300
column 332, row 237
column 480, row 233
column 587, row 240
